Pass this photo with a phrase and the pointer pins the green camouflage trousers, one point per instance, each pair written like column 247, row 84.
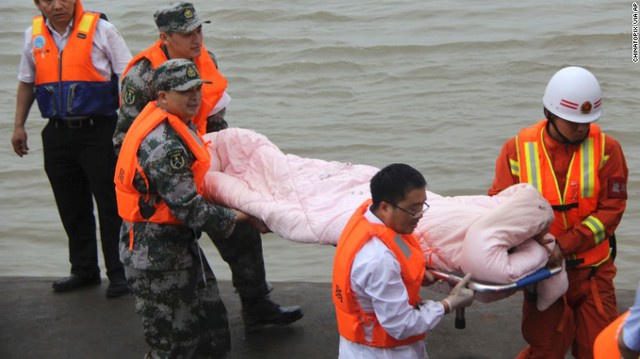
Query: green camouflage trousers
column 182, row 317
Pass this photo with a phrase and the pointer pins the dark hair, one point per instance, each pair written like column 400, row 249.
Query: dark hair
column 392, row 183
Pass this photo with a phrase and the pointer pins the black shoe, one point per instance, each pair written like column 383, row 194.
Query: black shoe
column 260, row 312
column 117, row 288
column 73, row 282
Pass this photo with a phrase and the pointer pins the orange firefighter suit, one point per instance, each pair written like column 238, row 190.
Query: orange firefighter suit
column 586, row 186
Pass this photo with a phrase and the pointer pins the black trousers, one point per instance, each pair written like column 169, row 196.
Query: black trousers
column 80, row 163
column 243, row 253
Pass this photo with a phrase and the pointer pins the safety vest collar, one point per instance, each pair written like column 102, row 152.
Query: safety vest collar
column 579, row 197
column 582, row 184
column 208, row 70
column 77, row 16
column 67, row 84
column 134, row 206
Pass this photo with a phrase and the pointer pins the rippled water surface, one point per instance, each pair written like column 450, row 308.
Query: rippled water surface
column 438, row 85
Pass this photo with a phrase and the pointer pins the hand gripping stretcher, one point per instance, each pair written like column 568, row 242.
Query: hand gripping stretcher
column 452, row 279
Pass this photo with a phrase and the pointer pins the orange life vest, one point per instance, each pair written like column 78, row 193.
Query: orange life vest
column 211, row 93
column 129, row 199
column 579, row 198
column 350, row 316
column 67, row 84
column 606, row 343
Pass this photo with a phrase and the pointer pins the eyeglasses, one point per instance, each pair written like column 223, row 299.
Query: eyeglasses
column 413, row 214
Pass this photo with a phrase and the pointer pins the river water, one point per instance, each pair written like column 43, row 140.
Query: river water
column 438, row 85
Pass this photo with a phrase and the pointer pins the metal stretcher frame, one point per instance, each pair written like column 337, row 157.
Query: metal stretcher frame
column 540, row 274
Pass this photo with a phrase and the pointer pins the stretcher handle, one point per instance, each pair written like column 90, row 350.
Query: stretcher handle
column 540, row 274
column 460, row 323
column 536, row 276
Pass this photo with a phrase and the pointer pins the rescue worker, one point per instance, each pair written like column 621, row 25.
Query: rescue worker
column 159, row 179
column 71, row 60
column 378, row 270
column 180, row 30
column 621, row 339
column 583, row 174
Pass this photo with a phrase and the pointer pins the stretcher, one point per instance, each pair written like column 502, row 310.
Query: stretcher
column 531, row 279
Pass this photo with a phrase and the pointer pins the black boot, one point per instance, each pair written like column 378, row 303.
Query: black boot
column 260, row 312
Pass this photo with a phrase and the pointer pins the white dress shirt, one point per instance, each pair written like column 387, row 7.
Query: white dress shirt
column 109, row 53
column 377, row 284
column 631, row 332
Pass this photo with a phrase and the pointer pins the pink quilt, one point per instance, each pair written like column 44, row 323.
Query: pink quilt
column 311, row 200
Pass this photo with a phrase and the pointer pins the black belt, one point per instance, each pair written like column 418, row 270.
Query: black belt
column 74, row 123
column 564, row 207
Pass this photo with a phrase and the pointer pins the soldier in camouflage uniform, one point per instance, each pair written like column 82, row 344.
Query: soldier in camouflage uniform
column 174, row 289
column 181, row 37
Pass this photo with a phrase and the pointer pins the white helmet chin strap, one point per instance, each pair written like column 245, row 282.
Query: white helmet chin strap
column 564, row 140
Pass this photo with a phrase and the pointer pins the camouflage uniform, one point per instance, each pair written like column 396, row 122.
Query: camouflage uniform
column 137, row 85
column 137, row 91
column 183, row 314
column 243, row 249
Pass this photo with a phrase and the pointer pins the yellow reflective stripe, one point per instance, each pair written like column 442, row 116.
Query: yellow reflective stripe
column 587, row 168
column 85, row 22
column 602, row 261
column 596, row 227
column 532, row 164
column 37, row 26
column 605, row 157
column 517, row 160
column 515, row 167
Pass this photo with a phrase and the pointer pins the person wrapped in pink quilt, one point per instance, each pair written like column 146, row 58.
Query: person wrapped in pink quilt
column 311, row 200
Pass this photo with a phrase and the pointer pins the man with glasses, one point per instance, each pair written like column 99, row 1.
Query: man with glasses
column 379, row 269
column 417, row 214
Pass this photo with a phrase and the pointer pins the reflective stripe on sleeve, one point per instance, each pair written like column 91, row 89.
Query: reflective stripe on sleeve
column 596, row 227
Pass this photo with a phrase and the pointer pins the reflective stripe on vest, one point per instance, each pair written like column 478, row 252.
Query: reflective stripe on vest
column 211, row 93
column 67, row 83
column 350, row 316
column 606, row 343
column 580, row 195
column 129, row 199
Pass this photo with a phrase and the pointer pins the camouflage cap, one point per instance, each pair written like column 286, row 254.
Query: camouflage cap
column 178, row 17
column 177, row 75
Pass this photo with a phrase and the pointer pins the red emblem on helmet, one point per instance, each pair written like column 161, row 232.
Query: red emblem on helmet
column 586, row 107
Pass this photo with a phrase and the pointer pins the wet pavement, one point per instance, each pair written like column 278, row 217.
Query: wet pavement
column 35, row 322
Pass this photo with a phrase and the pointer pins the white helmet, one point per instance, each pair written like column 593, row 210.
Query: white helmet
column 573, row 94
